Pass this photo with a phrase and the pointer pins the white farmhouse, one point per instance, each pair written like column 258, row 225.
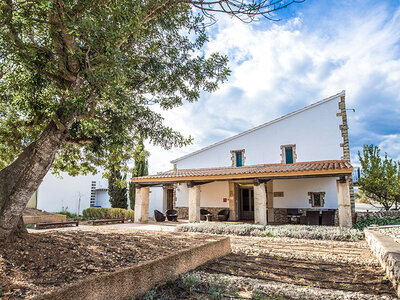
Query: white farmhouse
column 295, row 169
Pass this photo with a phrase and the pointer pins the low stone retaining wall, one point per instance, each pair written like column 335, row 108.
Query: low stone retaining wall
column 44, row 219
column 134, row 281
column 387, row 251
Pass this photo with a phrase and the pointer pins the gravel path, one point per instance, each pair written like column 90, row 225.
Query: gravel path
column 394, row 232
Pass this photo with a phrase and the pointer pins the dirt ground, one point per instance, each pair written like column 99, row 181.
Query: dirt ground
column 35, row 212
column 43, row 261
column 277, row 268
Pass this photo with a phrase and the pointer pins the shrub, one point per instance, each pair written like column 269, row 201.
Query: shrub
column 365, row 222
column 108, row 213
column 68, row 214
column 293, row 231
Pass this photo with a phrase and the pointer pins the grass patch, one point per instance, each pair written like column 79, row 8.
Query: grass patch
column 292, row 231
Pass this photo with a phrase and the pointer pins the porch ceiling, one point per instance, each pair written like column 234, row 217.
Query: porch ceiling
column 300, row 169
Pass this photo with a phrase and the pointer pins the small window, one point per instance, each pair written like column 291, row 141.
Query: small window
column 237, row 158
column 317, row 199
column 288, row 154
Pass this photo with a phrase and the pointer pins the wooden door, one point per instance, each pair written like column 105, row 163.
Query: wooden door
column 247, row 204
column 170, row 199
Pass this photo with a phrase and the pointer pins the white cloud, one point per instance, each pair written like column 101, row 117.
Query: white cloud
column 280, row 67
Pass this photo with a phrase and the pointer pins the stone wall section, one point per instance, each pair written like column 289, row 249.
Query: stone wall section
column 387, row 251
column 344, row 128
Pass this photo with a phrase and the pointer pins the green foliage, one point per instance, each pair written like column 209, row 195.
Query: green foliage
column 380, row 178
column 293, row 231
column 68, row 214
column 96, row 70
column 117, row 189
column 365, row 222
column 108, row 213
column 141, row 168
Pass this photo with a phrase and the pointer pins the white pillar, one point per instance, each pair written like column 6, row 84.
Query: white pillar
column 270, row 201
column 194, row 204
column 344, row 204
column 260, row 204
column 142, row 205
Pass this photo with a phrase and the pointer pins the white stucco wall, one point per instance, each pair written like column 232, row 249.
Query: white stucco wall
column 211, row 194
column 315, row 132
column 296, row 192
column 55, row 194
column 157, row 200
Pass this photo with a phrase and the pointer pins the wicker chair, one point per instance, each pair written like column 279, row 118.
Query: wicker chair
column 172, row 215
column 223, row 215
column 205, row 214
column 328, row 217
column 312, row 217
column 159, row 216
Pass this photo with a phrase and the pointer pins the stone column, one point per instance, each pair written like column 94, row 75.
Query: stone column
column 270, row 201
column 232, row 202
column 260, row 204
column 344, row 204
column 194, row 204
column 142, row 205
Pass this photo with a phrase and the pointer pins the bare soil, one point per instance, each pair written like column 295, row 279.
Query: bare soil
column 278, row 268
column 42, row 261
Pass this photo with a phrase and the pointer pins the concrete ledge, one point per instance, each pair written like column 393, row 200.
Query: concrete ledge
column 387, row 251
column 44, row 219
column 135, row 281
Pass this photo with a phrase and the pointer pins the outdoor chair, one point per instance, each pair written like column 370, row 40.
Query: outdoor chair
column 223, row 215
column 328, row 218
column 205, row 214
column 312, row 217
column 159, row 216
column 172, row 215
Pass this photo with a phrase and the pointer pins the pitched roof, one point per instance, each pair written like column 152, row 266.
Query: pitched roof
column 325, row 167
column 342, row 93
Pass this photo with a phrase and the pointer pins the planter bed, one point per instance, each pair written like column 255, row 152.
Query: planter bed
column 50, row 261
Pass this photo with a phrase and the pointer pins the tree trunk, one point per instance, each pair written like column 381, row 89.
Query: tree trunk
column 22, row 178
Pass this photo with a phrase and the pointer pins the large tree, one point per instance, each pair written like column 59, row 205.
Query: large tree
column 76, row 72
column 380, row 177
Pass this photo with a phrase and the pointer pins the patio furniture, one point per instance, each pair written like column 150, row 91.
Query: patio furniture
column 293, row 215
column 172, row 215
column 159, row 216
column 312, row 217
column 223, row 215
column 206, row 214
column 328, row 218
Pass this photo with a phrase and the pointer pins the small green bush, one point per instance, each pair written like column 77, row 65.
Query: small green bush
column 293, row 231
column 365, row 222
column 108, row 213
column 68, row 214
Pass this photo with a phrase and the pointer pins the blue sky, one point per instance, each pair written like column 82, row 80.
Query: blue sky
column 318, row 49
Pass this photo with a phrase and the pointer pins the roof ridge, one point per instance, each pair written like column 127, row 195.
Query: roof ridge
column 312, row 105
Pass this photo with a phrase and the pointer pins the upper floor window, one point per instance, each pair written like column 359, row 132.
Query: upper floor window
column 237, row 158
column 288, row 154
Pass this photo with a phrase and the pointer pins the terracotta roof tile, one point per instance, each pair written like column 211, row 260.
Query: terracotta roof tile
column 254, row 169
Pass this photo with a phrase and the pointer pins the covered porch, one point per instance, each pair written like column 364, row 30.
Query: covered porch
column 258, row 194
